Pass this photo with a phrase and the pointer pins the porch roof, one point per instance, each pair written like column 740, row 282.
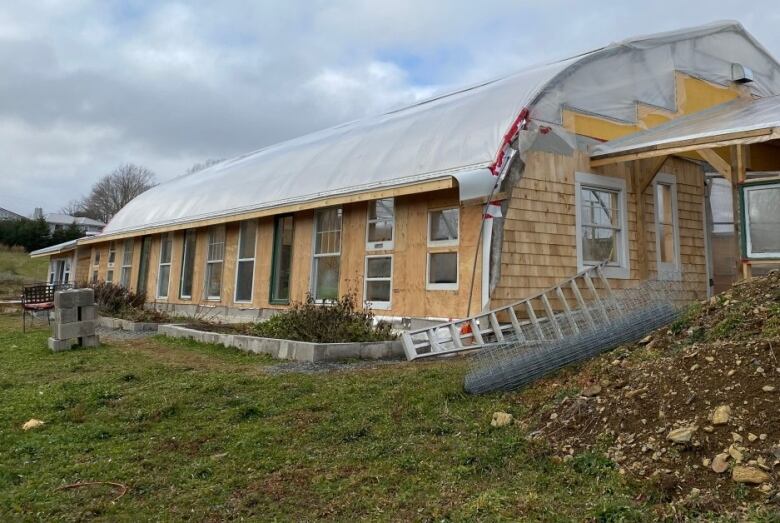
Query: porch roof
column 59, row 248
column 741, row 121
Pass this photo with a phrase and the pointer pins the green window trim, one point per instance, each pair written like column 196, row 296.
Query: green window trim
column 742, row 212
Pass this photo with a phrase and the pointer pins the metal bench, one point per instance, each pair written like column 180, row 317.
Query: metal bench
column 39, row 297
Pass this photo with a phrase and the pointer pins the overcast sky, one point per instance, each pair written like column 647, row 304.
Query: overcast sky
column 88, row 85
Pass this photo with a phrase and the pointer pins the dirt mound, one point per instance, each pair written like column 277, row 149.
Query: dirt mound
column 693, row 411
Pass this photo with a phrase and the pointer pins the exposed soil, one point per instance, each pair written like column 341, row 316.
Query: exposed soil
column 723, row 353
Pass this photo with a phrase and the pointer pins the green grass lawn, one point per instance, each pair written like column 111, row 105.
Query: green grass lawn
column 203, row 432
column 17, row 268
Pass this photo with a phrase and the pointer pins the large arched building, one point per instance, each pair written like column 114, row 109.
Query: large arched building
column 469, row 200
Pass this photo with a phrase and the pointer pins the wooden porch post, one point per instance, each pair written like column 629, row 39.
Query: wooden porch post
column 739, row 174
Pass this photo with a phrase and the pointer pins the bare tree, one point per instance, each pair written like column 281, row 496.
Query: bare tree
column 74, row 208
column 204, row 165
column 115, row 190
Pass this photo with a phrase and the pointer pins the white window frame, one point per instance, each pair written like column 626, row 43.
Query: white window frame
column 111, row 259
column 184, row 255
column 746, row 190
column 165, row 237
column 667, row 270
column 215, row 261
column 621, row 269
column 127, row 268
column 253, row 259
column 378, row 304
column 442, row 286
column 385, row 245
column 443, row 243
column 315, row 256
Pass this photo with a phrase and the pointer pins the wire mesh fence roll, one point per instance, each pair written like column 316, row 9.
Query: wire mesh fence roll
column 543, row 349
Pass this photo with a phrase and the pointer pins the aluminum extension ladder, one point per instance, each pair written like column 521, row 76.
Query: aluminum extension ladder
column 485, row 328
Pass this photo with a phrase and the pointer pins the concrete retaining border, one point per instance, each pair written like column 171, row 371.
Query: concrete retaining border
column 126, row 325
column 291, row 350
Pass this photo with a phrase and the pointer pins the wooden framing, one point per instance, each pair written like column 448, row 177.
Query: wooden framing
column 434, row 185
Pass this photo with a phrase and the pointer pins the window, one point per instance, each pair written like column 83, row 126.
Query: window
column 187, row 265
column 762, row 220
column 443, row 228
column 214, row 258
column 667, row 228
column 378, row 281
column 245, row 266
column 96, row 257
column 127, row 263
column 143, row 265
column 381, row 222
column 282, row 260
column 110, row 276
column 164, row 271
column 94, row 276
column 327, row 254
column 111, row 254
column 601, row 223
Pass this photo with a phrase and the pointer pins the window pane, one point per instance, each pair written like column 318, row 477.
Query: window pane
column 125, row 278
column 247, row 237
column 111, row 253
column 244, row 277
column 443, row 267
column 328, row 231
column 326, row 270
column 110, row 276
column 599, row 244
column 213, row 279
column 216, row 248
column 165, row 248
column 378, row 291
column 94, row 276
column 378, row 267
column 162, row 281
column 443, row 225
column 381, row 209
column 127, row 255
column 282, row 262
column 187, row 265
column 667, row 243
column 600, row 207
column 764, row 219
column 380, row 231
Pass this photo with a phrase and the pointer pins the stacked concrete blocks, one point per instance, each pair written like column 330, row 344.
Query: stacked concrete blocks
column 75, row 318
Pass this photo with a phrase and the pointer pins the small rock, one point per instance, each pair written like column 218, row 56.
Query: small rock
column 721, row 463
column 591, row 391
column 768, row 388
column 709, row 358
column 501, row 419
column 752, row 437
column 706, row 462
column 731, row 373
column 695, row 367
column 762, row 437
column 554, row 416
column 681, row 435
column 647, row 339
column 735, row 453
column 721, row 415
column 736, row 437
column 749, row 475
column 695, row 492
column 709, row 428
column 33, row 424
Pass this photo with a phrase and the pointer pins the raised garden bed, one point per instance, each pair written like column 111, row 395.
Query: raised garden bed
column 127, row 325
column 289, row 349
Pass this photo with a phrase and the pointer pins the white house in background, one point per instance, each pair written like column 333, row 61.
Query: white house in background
column 5, row 214
column 59, row 221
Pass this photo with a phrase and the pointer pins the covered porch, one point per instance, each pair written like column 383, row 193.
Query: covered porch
column 740, row 142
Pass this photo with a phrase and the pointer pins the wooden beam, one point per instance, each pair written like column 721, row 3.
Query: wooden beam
column 739, row 173
column 745, row 137
column 641, row 240
column 434, row 185
column 651, row 168
column 718, row 163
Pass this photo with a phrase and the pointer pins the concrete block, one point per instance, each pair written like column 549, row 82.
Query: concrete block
column 84, row 297
column 74, row 330
column 88, row 312
column 64, row 299
column 66, row 315
column 90, row 341
column 60, row 345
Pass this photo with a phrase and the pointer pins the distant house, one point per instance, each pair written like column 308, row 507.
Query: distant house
column 5, row 214
column 59, row 221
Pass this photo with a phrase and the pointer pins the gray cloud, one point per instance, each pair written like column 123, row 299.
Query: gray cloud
column 86, row 85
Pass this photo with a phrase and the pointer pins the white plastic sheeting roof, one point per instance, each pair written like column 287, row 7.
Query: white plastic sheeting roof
column 55, row 249
column 455, row 135
column 732, row 117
